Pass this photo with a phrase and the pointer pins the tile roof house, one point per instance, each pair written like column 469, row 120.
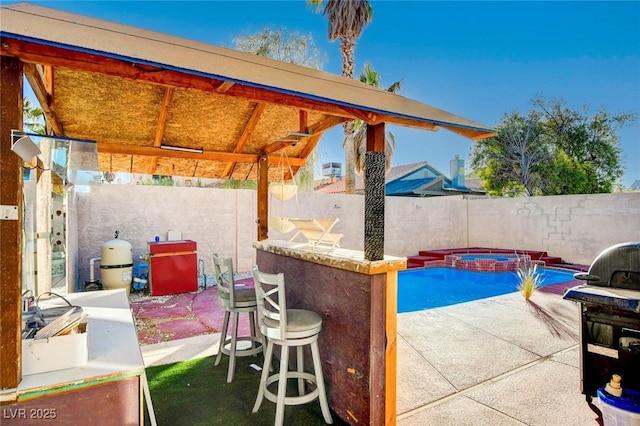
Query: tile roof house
column 417, row 180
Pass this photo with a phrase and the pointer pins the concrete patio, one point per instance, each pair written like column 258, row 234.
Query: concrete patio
column 496, row 361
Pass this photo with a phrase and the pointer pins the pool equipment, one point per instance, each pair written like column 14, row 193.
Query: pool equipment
column 141, row 279
column 116, row 264
column 93, row 283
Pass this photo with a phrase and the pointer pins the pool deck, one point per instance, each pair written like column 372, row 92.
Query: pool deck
column 497, row 361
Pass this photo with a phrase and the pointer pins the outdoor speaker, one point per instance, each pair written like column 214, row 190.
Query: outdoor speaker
column 25, row 148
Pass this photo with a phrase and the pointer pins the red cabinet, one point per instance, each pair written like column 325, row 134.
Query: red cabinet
column 173, row 267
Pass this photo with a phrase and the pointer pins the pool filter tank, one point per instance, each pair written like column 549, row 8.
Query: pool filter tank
column 116, row 264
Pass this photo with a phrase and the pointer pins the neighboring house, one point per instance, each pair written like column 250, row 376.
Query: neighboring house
column 417, row 180
column 635, row 186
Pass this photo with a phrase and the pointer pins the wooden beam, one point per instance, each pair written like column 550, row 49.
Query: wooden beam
column 278, row 145
column 390, row 346
column 375, row 138
column 263, row 198
column 308, row 149
column 318, row 130
column 10, row 230
column 43, row 95
column 85, row 61
column 244, row 138
column 162, row 119
column 162, row 122
column 304, row 126
column 224, row 87
column 107, row 148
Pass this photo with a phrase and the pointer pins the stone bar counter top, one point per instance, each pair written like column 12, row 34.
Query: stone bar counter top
column 340, row 258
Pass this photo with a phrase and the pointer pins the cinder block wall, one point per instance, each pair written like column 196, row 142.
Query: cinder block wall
column 576, row 228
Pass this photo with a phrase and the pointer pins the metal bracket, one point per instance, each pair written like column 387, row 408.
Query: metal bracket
column 8, row 212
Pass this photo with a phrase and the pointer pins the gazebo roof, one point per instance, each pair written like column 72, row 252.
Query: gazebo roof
column 135, row 91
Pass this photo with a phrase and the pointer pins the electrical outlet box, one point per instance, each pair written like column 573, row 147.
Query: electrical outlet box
column 8, row 212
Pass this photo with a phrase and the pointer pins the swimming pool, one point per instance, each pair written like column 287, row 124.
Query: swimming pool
column 420, row 289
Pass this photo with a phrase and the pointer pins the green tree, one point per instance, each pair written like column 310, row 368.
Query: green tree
column 371, row 77
column 347, row 19
column 587, row 148
column 32, row 117
column 553, row 150
column 508, row 163
column 284, row 46
column 294, row 48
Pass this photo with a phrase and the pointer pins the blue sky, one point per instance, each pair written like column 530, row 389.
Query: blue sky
column 476, row 59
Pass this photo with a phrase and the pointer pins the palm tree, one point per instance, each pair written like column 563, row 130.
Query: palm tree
column 372, row 78
column 32, row 117
column 347, row 19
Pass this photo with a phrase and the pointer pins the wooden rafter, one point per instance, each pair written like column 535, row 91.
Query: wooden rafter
column 162, row 122
column 303, row 121
column 108, row 148
column 317, row 129
column 42, row 88
column 244, row 138
column 84, row 61
column 224, row 87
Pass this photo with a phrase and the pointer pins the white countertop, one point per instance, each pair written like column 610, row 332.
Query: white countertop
column 112, row 343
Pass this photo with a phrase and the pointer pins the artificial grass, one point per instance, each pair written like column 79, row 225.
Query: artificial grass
column 196, row 392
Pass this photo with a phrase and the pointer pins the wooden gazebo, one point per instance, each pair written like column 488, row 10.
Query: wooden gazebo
column 159, row 104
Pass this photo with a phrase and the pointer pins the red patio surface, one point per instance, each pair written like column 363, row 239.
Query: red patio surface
column 178, row 316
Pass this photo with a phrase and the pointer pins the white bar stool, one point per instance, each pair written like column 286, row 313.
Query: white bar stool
column 287, row 328
column 235, row 300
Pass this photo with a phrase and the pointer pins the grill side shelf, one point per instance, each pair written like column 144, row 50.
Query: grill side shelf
column 621, row 299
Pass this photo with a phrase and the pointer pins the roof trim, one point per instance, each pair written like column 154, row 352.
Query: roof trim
column 51, row 27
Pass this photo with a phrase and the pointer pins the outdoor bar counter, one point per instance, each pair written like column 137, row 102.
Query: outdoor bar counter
column 357, row 301
column 107, row 390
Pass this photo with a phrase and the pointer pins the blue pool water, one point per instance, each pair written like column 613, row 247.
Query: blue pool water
column 420, row 289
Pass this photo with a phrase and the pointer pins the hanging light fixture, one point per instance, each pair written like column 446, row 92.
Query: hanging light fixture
column 182, row 148
column 23, row 146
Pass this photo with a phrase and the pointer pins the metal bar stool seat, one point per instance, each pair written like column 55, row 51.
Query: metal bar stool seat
column 287, row 328
column 235, row 300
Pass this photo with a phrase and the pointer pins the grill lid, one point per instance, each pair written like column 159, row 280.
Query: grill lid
column 617, row 266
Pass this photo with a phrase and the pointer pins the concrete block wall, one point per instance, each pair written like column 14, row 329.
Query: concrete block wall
column 576, row 228
column 220, row 221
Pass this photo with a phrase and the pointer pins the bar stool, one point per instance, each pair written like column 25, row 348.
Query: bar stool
column 235, row 300
column 287, row 328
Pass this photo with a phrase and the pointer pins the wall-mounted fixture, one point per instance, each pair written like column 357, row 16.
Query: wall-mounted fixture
column 182, row 148
column 23, row 146
column 297, row 136
column 300, row 134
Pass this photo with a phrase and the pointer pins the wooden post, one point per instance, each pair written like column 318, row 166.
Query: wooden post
column 263, row 198
column 374, row 193
column 10, row 230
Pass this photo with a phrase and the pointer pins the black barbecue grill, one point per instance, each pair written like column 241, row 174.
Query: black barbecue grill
column 610, row 318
